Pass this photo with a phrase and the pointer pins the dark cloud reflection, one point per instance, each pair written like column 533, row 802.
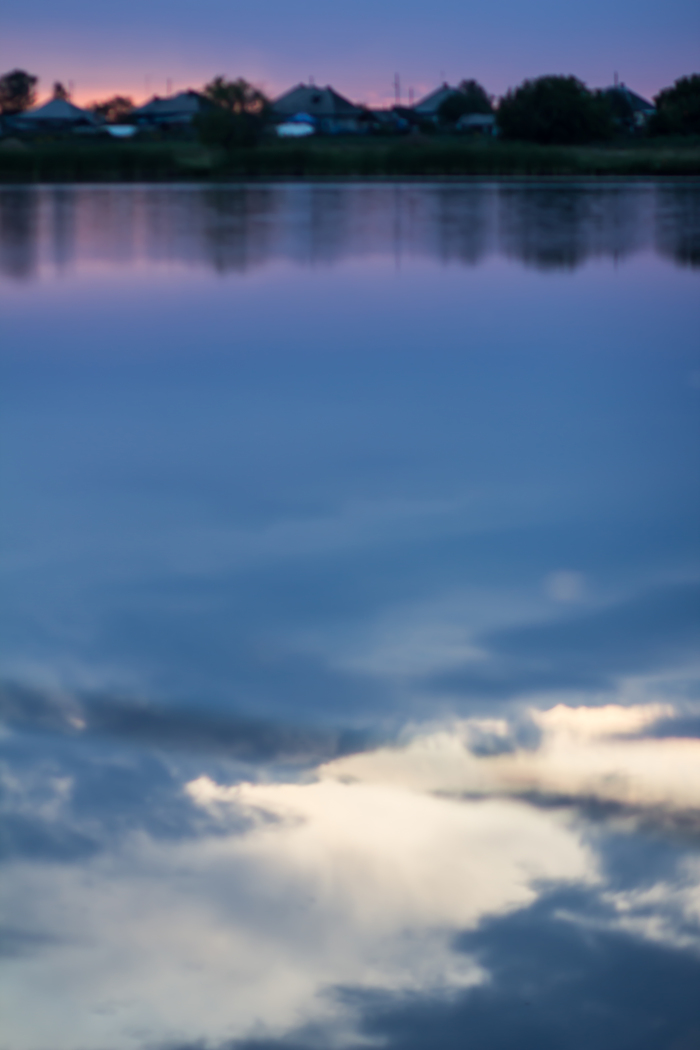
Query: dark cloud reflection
column 556, row 983
column 151, row 725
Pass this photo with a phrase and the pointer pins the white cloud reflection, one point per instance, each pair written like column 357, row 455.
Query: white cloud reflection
column 584, row 753
column 666, row 912
column 359, row 876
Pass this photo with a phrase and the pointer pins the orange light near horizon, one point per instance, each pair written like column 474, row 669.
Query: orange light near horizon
column 142, row 88
column 141, row 91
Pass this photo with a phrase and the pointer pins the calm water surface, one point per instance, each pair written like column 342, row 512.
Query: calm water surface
column 349, row 630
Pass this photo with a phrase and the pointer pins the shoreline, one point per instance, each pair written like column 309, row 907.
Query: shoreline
column 333, row 160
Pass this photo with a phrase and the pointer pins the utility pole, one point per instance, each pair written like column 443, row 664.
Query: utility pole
column 397, row 89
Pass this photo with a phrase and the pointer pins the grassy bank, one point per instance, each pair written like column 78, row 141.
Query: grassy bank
column 317, row 158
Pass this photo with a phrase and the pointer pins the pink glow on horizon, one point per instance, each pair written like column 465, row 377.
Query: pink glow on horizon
column 84, row 95
column 378, row 96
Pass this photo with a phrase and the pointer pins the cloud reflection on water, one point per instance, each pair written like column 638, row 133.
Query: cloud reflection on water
column 360, row 876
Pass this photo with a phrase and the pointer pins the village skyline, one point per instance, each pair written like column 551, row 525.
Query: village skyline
column 401, row 91
column 375, row 91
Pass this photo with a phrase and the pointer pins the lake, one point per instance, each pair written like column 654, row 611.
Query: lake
column 351, row 578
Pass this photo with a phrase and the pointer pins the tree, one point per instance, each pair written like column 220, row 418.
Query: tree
column 470, row 97
column 678, row 108
column 554, row 109
column 236, row 115
column 17, row 91
column 236, row 96
column 59, row 91
column 116, row 110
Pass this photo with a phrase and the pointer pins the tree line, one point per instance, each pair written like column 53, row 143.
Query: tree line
column 547, row 110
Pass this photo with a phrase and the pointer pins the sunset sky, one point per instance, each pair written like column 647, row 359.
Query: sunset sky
column 141, row 46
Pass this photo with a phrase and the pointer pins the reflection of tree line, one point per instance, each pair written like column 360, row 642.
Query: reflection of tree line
column 18, row 233
column 239, row 228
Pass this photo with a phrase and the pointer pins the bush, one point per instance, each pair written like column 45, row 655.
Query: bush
column 222, row 128
column 678, row 108
column 554, row 109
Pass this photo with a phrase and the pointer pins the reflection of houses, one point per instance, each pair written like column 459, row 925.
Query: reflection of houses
column 238, row 227
column 57, row 115
column 628, row 107
column 176, row 111
column 332, row 113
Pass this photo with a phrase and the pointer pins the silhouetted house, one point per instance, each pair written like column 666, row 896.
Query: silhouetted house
column 333, row 114
column 172, row 112
column 429, row 107
column 409, row 115
column 478, row 124
column 57, row 115
column 388, row 121
column 629, row 108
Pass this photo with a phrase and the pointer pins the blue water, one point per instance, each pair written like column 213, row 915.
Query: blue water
column 350, row 615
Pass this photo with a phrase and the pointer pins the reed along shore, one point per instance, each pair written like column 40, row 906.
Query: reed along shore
column 98, row 161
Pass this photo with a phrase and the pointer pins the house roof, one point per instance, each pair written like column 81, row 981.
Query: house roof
column 318, row 101
column 429, row 105
column 59, row 110
column 636, row 102
column 184, row 103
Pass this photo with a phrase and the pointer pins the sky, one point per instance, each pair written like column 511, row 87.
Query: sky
column 149, row 46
